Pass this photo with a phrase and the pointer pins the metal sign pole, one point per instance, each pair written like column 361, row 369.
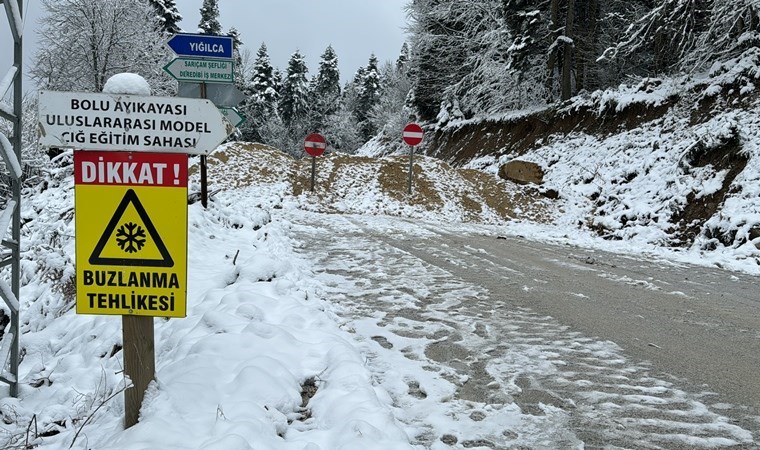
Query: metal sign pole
column 204, row 174
column 411, row 165
column 412, row 136
column 313, row 171
column 314, row 145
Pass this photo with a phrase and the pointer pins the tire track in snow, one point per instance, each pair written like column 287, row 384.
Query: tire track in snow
column 479, row 372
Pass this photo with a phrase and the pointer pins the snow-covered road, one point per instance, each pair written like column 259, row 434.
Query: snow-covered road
column 489, row 343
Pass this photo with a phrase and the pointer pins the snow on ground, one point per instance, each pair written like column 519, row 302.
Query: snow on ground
column 632, row 187
column 266, row 359
column 229, row 376
column 467, row 369
column 263, row 330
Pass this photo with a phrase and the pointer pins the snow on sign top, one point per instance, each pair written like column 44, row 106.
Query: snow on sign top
column 315, row 144
column 110, row 122
column 127, row 83
column 412, row 134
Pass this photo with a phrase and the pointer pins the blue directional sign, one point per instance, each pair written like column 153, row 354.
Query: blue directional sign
column 201, row 45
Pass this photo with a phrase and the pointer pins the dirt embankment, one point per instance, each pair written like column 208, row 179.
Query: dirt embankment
column 653, row 104
column 519, row 134
column 609, row 130
column 359, row 184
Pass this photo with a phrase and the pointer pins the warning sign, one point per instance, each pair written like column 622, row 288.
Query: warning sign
column 131, row 233
column 128, row 240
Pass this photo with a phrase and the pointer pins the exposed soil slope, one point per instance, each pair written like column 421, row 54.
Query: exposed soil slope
column 356, row 184
column 671, row 162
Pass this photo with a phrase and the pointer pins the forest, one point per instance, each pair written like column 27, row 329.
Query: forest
column 462, row 60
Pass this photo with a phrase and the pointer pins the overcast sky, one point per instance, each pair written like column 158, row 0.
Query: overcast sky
column 355, row 28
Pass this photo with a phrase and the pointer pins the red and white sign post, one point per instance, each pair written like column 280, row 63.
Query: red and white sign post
column 315, row 145
column 412, row 136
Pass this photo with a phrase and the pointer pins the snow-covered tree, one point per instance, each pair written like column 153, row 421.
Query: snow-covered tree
column 277, row 80
column 488, row 56
column 390, row 113
column 237, row 57
column 476, row 57
column 368, row 96
column 262, row 96
column 341, row 130
column 264, row 82
column 341, row 127
column 83, row 43
column 328, row 77
column 733, row 27
column 325, row 89
column 31, row 153
column 168, row 15
column 668, row 33
column 438, row 55
column 274, row 132
column 500, row 73
column 614, row 18
column 403, row 58
column 294, row 93
column 209, row 23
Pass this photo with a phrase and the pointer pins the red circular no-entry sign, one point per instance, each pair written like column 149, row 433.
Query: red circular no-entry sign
column 412, row 134
column 315, row 144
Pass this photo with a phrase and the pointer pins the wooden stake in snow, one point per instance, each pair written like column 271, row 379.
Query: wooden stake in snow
column 139, row 363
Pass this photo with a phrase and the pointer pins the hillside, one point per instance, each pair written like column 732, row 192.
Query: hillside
column 662, row 166
column 359, row 185
column 662, row 163
column 665, row 168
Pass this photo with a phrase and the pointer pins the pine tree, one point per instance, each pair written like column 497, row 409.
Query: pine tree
column 294, row 94
column 277, row 80
column 390, row 113
column 262, row 97
column 168, row 15
column 264, row 84
column 403, row 58
column 369, row 96
column 328, row 77
column 237, row 58
column 325, row 89
column 209, row 23
column 438, row 52
column 668, row 33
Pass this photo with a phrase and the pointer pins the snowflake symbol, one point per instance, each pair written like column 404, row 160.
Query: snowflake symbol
column 130, row 237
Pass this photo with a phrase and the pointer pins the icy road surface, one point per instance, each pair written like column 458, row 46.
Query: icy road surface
column 490, row 343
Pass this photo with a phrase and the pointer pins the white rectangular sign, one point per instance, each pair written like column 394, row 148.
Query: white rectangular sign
column 201, row 70
column 90, row 121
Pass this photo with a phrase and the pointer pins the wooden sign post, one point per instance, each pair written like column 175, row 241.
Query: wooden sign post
column 139, row 363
